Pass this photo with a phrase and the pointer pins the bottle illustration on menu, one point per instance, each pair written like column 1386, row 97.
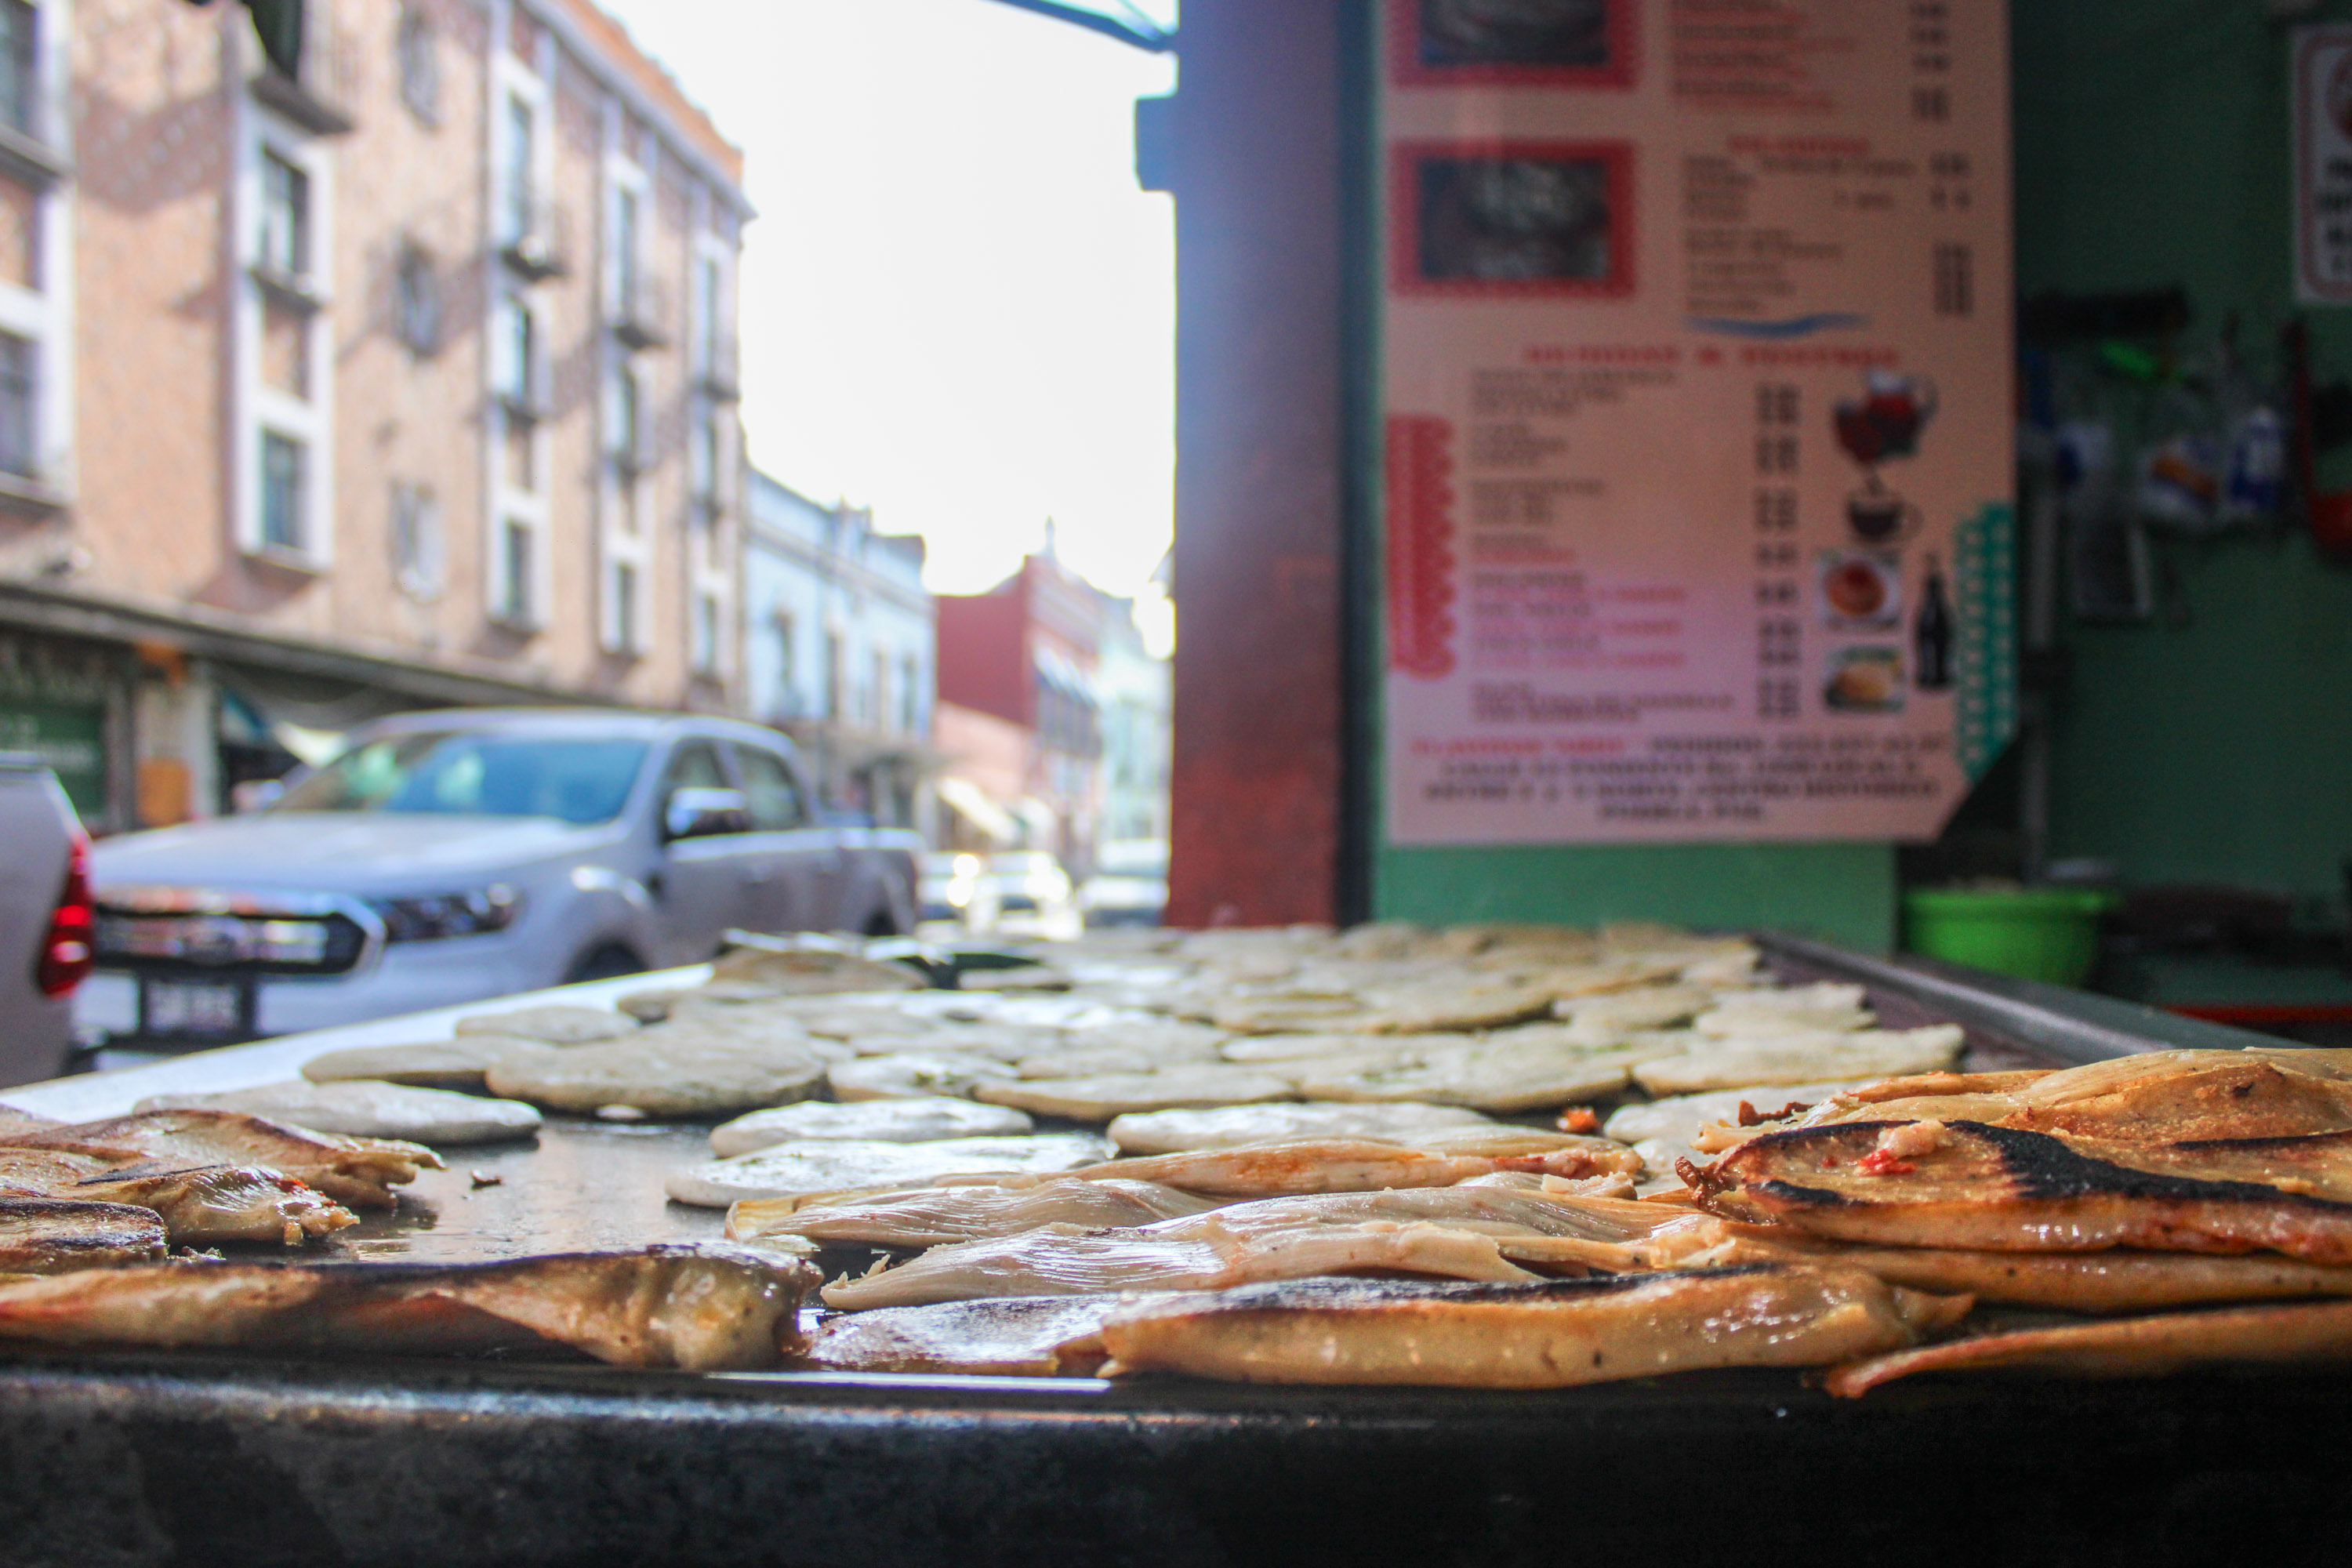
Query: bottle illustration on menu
column 1931, row 667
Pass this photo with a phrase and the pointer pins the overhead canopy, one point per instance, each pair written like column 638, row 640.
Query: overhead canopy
column 1146, row 24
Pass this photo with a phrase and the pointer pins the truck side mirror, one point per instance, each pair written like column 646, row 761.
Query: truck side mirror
column 705, row 814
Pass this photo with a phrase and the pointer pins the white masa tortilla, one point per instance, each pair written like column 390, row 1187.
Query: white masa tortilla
column 662, row 1077
column 1804, row 1058
column 559, row 1023
column 1227, row 1127
column 1115, row 1094
column 797, row 1170
column 925, row 1121
column 362, row 1108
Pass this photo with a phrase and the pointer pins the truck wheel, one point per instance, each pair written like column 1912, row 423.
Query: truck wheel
column 607, row 963
column 882, row 925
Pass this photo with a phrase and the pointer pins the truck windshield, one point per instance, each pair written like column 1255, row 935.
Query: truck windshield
column 576, row 781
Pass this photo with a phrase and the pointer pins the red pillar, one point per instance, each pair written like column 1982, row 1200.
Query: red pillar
column 1259, row 755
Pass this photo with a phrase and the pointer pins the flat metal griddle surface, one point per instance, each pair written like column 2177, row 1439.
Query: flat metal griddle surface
column 584, row 1185
column 581, row 1185
column 140, row 1459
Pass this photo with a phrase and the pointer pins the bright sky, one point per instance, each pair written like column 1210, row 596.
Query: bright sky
column 957, row 307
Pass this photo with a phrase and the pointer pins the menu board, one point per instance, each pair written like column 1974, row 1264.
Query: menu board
column 2322, row 86
column 1698, row 412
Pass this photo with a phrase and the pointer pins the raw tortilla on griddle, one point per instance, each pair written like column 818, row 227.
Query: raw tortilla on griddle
column 559, row 1023
column 661, row 1075
column 1173, row 1132
column 802, row 1168
column 370, row 1110
column 931, row 1216
column 1809, row 1057
column 923, row 1120
column 462, row 1064
column 914, row 1075
column 1099, row 1100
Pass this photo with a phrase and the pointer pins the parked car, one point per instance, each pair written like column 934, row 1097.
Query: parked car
column 1129, row 884
column 448, row 856
column 1032, row 893
column 44, row 920
column 954, row 888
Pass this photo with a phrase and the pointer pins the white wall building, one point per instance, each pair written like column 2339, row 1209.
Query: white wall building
column 838, row 648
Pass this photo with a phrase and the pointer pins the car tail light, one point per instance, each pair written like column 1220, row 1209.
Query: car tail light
column 66, row 951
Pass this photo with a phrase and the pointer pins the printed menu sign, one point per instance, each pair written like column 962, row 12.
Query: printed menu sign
column 2323, row 164
column 1697, row 416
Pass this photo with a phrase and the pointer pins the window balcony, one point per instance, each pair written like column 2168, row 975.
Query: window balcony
column 537, row 243
column 719, row 376
column 32, row 139
column 632, row 453
column 325, row 98
column 641, row 318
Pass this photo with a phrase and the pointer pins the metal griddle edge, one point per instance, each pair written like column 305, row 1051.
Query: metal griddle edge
column 138, row 1459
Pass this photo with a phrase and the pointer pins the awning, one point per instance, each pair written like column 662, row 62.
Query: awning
column 965, row 799
column 1146, row 24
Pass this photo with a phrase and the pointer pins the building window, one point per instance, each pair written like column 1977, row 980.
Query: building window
column 629, row 416
column 416, row 551
column 19, row 377
column 707, row 445
column 706, row 326
column 20, row 79
column 787, row 655
column 706, row 633
column 420, row 66
column 833, row 675
column 515, row 599
column 285, row 216
column 418, row 289
column 624, row 607
column 910, row 700
column 522, row 137
column 877, row 691
column 518, row 368
column 282, row 483
column 625, row 250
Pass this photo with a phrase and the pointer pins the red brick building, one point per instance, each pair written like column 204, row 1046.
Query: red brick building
column 408, row 382
column 1024, row 654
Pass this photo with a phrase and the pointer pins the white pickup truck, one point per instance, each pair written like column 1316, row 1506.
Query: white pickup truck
column 445, row 857
column 45, row 920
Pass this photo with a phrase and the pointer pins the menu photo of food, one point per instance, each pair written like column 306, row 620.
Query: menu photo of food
column 1861, row 590
column 1513, row 218
column 1865, row 680
column 1559, row 43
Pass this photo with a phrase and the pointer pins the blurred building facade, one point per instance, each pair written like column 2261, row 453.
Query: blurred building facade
column 839, row 648
column 1050, row 667
column 408, row 382
column 1133, row 687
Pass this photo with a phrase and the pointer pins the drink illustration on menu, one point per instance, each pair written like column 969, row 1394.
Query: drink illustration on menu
column 1931, row 635
column 1875, row 428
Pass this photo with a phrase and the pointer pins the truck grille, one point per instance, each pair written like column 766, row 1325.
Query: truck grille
column 212, row 943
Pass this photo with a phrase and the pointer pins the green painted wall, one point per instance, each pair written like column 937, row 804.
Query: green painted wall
column 2152, row 144
column 1842, row 892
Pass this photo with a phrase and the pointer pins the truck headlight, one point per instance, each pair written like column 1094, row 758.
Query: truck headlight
column 474, row 913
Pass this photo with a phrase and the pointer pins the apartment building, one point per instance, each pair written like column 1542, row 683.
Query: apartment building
column 406, row 380
column 1020, row 660
column 838, row 648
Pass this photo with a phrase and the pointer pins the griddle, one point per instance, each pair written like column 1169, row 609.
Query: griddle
column 147, row 1458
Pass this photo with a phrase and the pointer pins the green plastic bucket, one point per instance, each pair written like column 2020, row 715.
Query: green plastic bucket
column 2036, row 934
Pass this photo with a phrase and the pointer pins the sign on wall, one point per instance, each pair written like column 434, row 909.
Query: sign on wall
column 1698, row 417
column 2323, row 164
